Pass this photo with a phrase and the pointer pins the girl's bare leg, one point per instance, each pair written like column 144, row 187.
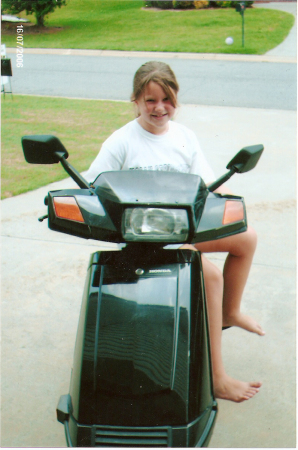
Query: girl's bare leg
column 225, row 387
column 240, row 248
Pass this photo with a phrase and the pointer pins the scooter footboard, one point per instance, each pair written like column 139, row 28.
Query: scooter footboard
column 142, row 371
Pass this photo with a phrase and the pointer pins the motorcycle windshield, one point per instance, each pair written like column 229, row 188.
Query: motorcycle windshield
column 148, row 186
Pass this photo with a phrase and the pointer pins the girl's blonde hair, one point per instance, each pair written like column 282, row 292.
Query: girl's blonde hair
column 161, row 74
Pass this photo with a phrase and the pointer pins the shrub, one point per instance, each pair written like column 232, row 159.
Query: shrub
column 201, row 4
column 164, row 4
column 183, row 4
column 224, row 4
column 197, row 4
column 248, row 3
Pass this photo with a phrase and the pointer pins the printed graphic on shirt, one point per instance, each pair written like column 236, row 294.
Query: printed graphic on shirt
column 184, row 168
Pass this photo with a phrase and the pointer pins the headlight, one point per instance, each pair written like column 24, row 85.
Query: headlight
column 155, row 225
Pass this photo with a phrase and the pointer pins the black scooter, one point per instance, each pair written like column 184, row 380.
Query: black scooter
column 142, row 373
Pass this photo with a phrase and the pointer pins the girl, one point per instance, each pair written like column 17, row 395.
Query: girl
column 153, row 142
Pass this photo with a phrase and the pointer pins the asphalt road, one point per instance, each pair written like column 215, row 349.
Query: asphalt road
column 250, row 84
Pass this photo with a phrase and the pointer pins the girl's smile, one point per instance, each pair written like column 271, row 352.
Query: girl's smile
column 155, row 109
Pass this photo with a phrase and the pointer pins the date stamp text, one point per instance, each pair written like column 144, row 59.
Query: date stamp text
column 20, row 46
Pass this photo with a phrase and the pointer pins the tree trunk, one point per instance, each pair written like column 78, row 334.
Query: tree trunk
column 39, row 20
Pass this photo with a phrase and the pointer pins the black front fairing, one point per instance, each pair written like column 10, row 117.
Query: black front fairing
column 103, row 205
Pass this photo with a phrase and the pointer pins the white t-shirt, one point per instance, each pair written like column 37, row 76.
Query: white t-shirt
column 133, row 148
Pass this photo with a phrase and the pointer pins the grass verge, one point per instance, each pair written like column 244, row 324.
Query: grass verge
column 81, row 125
column 126, row 25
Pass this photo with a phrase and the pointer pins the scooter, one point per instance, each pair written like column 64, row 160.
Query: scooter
column 142, row 374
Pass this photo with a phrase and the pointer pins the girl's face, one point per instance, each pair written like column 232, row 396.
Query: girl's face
column 155, row 109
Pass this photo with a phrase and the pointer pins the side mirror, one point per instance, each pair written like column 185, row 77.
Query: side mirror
column 47, row 149
column 43, row 149
column 246, row 159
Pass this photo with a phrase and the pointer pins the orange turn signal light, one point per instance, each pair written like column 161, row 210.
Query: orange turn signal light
column 67, row 208
column 234, row 212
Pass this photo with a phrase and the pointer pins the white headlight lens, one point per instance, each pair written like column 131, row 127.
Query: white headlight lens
column 155, row 225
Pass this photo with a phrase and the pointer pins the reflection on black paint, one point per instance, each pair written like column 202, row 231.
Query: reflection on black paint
column 145, row 358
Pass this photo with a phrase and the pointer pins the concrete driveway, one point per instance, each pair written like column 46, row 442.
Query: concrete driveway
column 43, row 276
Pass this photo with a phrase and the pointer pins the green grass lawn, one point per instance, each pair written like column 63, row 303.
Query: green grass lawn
column 126, row 25
column 81, row 125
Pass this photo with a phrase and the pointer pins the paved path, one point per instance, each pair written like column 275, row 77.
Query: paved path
column 43, row 275
column 288, row 48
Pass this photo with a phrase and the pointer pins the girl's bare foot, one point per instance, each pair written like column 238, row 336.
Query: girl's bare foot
column 242, row 321
column 227, row 388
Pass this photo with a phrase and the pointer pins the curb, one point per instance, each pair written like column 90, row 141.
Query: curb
column 164, row 55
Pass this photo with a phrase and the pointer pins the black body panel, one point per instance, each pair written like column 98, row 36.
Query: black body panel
column 142, row 356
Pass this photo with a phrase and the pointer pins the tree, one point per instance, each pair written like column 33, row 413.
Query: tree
column 40, row 8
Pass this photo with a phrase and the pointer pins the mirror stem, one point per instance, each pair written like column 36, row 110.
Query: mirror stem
column 75, row 175
column 221, row 180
